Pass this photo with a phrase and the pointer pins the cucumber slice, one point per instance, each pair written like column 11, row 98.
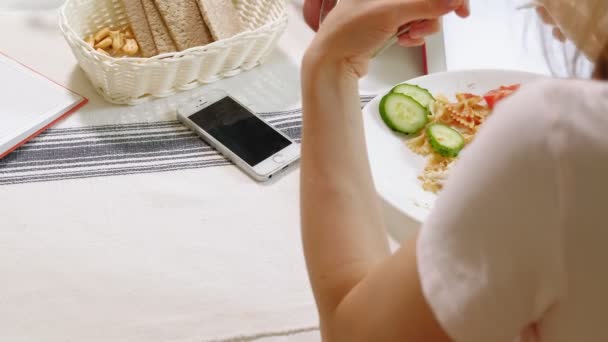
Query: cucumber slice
column 403, row 114
column 446, row 141
column 423, row 96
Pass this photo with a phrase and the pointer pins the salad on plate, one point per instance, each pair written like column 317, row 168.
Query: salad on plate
column 437, row 127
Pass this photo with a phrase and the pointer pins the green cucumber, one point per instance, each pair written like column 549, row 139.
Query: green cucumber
column 423, row 96
column 446, row 141
column 403, row 114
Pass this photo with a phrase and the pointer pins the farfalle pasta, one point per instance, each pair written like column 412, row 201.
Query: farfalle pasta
column 466, row 116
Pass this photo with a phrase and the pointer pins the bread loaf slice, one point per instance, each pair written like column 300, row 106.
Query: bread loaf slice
column 160, row 34
column 141, row 28
column 184, row 22
column 221, row 17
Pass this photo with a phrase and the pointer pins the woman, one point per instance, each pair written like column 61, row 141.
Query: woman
column 516, row 244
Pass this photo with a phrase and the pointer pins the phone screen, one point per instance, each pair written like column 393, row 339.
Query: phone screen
column 240, row 131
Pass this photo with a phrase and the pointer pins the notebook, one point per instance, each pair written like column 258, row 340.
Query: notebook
column 29, row 104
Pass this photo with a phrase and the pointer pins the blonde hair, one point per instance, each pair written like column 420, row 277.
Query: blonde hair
column 587, row 26
column 601, row 66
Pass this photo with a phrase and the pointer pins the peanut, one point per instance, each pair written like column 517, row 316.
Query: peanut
column 130, row 48
column 103, row 52
column 129, row 33
column 90, row 40
column 116, row 43
column 104, row 44
column 117, row 40
column 119, row 54
column 103, row 33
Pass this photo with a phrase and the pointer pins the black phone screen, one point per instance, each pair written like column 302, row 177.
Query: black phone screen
column 240, row 131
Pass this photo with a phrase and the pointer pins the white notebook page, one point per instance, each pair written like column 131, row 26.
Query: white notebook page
column 28, row 102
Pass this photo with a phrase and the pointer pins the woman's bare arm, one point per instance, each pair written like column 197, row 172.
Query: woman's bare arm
column 344, row 232
column 363, row 292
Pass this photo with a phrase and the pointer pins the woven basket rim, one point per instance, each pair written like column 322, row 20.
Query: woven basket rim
column 67, row 30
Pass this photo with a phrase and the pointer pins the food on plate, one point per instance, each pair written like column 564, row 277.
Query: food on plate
column 494, row 96
column 445, row 140
column 438, row 127
column 403, row 114
column 113, row 42
column 421, row 95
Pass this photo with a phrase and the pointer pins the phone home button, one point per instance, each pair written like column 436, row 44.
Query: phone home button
column 278, row 158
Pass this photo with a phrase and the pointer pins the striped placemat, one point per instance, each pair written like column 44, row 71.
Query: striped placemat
column 112, row 150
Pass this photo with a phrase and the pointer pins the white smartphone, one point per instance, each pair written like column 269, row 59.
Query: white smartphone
column 247, row 140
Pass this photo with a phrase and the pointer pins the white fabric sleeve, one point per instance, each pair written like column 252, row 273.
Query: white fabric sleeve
column 490, row 255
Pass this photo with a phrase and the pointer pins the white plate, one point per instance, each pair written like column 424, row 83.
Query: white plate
column 394, row 166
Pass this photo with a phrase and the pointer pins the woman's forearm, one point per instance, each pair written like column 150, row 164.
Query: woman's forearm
column 363, row 293
column 342, row 224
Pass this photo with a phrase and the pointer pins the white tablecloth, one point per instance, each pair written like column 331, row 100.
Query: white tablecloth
column 109, row 231
column 119, row 225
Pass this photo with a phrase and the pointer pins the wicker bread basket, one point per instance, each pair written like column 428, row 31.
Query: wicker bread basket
column 135, row 80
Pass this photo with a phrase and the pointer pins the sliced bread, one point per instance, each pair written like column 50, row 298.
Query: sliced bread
column 162, row 39
column 221, row 17
column 184, row 22
column 141, row 28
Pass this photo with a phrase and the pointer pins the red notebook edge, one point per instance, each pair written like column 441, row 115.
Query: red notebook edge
column 425, row 62
column 35, row 134
column 434, row 57
column 52, row 123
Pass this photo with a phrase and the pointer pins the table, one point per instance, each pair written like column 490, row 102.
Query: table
column 155, row 250
column 162, row 252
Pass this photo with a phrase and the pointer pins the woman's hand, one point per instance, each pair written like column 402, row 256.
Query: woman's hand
column 312, row 10
column 355, row 29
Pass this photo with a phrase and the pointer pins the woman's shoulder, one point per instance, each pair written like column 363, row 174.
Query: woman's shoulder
column 554, row 109
column 561, row 98
column 571, row 102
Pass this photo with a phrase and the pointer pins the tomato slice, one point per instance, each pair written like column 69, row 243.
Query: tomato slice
column 496, row 95
column 469, row 95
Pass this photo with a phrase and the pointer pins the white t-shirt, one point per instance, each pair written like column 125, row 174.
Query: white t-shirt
column 516, row 248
